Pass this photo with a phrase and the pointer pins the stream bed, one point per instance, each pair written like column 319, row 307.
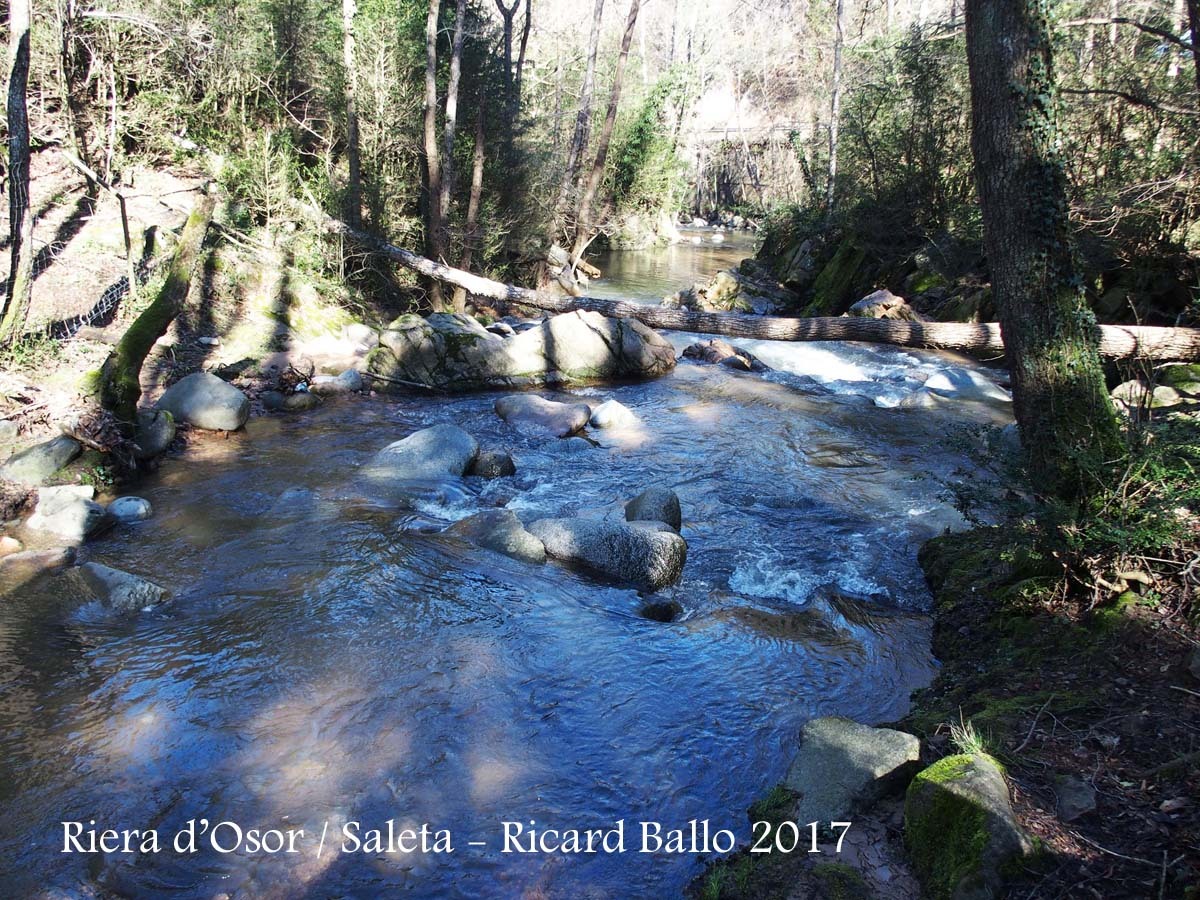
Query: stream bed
column 326, row 660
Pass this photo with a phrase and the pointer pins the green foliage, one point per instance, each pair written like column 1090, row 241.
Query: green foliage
column 30, row 353
column 647, row 174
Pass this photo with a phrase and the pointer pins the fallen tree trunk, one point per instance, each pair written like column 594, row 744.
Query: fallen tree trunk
column 120, row 377
column 1116, row 341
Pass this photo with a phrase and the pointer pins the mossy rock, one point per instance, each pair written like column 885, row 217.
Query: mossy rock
column 839, row 881
column 1183, row 378
column 838, row 284
column 922, row 281
column 960, row 828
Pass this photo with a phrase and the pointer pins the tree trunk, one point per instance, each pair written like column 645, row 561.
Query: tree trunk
column 835, row 104
column 435, row 230
column 354, row 177
column 20, row 217
column 451, row 124
column 1193, row 11
column 120, row 377
column 583, row 119
column 1066, row 418
column 1127, row 342
column 583, row 217
column 471, row 232
column 521, row 60
column 74, row 93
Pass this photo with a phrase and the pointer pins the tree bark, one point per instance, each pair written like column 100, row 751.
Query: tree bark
column 450, row 126
column 471, row 232
column 1193, row 11
column 20, row 216
column 835, row 103
column 74, row 92
column 435, row 230
column 353, row 160
column 583, row 217
column 120, row 377
column 583, row 118
column 1067, row 421
column 1126, row 342
column 521, row 59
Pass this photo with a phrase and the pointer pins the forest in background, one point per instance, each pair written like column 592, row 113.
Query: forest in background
column 590, row 123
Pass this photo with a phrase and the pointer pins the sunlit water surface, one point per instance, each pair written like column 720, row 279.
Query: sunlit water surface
column 326, row 659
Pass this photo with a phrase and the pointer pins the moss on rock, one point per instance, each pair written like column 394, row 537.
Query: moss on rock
column 835, row 287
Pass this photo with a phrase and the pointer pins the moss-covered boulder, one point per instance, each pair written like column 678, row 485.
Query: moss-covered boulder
column 960, row 828
column 839, row 283
column 453, row 352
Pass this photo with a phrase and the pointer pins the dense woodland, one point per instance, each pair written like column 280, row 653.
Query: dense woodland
column 1034, row 164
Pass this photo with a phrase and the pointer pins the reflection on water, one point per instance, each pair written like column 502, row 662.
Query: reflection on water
column 650, row 275
column 327, row 660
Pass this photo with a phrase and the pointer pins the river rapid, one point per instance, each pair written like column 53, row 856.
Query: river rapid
column 324, row 660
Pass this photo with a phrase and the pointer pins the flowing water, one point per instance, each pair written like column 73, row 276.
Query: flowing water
column 325, row 660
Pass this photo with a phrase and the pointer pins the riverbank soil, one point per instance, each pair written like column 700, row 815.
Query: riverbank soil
column 1085, row 708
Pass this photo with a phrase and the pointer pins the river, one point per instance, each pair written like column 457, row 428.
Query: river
column 323, row 660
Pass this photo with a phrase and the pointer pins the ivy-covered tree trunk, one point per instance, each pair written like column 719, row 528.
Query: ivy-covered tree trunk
column 120, row 377
column 20, row 217
column 1068, row 425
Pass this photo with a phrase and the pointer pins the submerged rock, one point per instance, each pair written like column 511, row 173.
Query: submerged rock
column 155, row 431
column 655, row 505
column 501, row 531
column 719, row 352
column 37, row 464
column 130, row 509
column 29, row 563
column 119, row 591
column 454, row 352
column 842, row 766
column 426, row 455
column 966, row 384
column 492, row 464
column 205, row 401
column 613, row 414
column 960, row 828
column 70, row 512
column 648, row 554
column 531, row 413
column 298, row 401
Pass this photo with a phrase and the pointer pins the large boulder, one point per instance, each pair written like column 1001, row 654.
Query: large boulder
column 655, row 505
column 531, row 413
column 431, row 454
column 843, row 766
column 119, row 591
column 205, row 401
column 453, row 352
column 35, row 465
column 647, row 554
column 960, row 828
column 69, row 512
column 501, row 531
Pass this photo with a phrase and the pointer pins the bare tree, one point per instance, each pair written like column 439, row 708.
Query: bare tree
column 471, row 232
column 354, row 178
column 435, row 226
column 20, row 217
column 835, row 102
column 1062, row 407
column 1193, row 11
column 583, row 217
column 450, row 126
column 72, row 75
column 583, row 118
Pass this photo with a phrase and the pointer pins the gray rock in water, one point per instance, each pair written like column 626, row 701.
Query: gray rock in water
column 531, row 413
column 960, row 828
column 35, row 465
column 966, row 384
column 119, row 591
column 647, row 554
column 501, row 531
column 130, row 509
column 205, row 401
column 718, row 352
column 20, row 567
column 613, row 414
column 655, row 505
column 328, row 385
column 429, row 455
column 70, row 512
column 574, row 444
column 155, row 431
column 454, row 352
column 492, row 464
column 842, row 766
column 1076, row 798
